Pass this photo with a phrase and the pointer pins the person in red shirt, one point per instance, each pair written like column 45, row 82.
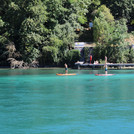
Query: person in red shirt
column 90, row 59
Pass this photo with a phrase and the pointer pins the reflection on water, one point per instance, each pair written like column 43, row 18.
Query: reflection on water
column 38, row 101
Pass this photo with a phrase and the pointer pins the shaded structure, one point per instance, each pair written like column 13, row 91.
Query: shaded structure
column 117, row 65
column 85, row 49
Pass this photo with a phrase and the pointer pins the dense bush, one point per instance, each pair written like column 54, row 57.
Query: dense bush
column 49, row 55
column 72, row 56
column 86, row 54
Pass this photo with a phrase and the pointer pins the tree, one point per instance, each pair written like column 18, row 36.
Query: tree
column 64, row 17
column 109, row 35
column 120, row 8
column 32, row 30
column 103, row 26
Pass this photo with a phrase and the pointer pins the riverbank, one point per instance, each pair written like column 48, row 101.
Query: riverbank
column 81, row 68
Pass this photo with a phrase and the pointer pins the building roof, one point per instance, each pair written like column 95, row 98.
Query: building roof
column 84, row 44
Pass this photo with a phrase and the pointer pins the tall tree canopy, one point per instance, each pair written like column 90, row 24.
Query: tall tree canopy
column 45, row 31
column 39, row 27
column 120, row 8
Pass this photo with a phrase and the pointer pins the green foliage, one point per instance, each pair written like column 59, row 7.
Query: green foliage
column 46, row 29
column 55, row 41
column 93, row 6
column 99, row 52
column 106, row 29
column 120, row 8
column 32, row 30
column 63, row 37
column 131, row 55
column 111, row 42
column 104, row 12
column 50, row 54
column 115, row 53
column 118, row 53
column 132, row 33
column 86, row 54
column 103, row 25
column 82, row 19
column 1, row 23
column 31, row 54
column 72, row 56
column 96, row 2
column 72, row 1
column 3, row 35
column 132, row 22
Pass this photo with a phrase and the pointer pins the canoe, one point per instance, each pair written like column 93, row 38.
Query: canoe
column 65, row 74
column 104, row 74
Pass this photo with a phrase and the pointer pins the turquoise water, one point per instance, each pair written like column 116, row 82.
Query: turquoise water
column 36, row 101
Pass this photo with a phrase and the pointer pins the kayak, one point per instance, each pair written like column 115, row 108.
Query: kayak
column 65, row 74
column 104, row 74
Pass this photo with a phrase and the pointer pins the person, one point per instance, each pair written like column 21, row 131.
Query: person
column 105, row 64
column 96, row 62
column 66, row 68
column 90, row 59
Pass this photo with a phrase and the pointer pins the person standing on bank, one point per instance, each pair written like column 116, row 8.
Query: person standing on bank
column 66, row 68
column 105, row 64
column 90, row 59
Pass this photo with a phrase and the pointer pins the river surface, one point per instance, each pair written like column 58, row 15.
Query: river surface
column 37, row 101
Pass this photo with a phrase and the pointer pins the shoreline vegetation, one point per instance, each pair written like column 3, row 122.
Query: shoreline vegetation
column 75, row 67
column 41, row 32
